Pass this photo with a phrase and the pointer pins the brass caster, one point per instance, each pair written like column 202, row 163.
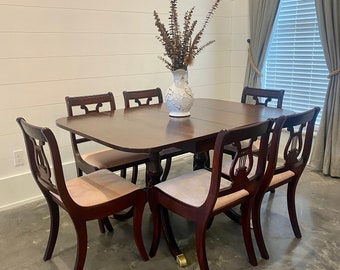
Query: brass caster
column 181, row 260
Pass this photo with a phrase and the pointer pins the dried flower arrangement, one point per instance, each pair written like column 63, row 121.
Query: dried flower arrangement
column 179, row 46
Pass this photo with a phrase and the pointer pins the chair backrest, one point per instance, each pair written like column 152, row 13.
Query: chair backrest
column 79, row 105
column 142, row 97
column 47, row 171
column 243, row 172
column 90, row 103
column 263, row 96
column 298, row 145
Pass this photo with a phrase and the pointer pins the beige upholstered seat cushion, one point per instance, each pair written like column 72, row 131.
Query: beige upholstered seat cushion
column 281, row 177
column 98, row 187
column 193, row 188
column 109, row 158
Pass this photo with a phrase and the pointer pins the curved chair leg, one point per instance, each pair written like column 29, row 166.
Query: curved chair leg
column 105, row 223
column 210, row 222
column 134, row 174
column 156, row 230
column 129, row 213
column 79, row 172
column 246, row 212
column 123, row 173
column 256, row 219
column 54, row 229
column 292, row 209
column 137, row 229
column 166, row 169
column 200, row 245
column 80, row 227
column 233, row 215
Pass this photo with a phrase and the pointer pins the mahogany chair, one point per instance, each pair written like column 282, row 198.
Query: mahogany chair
column 200, row 195
column 145, row 98
column 263, row 96
column 107, row 158
column 296, row 153
column 142, row 97
column 93, row 196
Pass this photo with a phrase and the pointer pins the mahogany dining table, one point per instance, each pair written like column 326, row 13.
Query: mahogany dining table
column 150, row 129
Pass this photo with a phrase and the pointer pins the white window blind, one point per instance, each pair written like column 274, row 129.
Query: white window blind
column 295, row 59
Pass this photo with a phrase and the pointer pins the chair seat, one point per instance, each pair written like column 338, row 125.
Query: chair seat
column 277, row 178
column 112, row 158
column 99, row 187
column 193, row 188
column 280, row 177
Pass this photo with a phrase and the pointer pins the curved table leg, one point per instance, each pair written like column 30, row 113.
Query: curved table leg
column 154, row 173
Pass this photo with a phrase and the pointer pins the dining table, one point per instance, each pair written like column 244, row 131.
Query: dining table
column 150, row 129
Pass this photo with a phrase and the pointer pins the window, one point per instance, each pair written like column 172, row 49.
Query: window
column 295, row 59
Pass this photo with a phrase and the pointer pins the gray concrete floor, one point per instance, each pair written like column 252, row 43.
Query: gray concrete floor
column 24, row 232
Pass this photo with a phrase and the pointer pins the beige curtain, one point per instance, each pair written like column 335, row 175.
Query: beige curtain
column 262, row 14
column 326, row 152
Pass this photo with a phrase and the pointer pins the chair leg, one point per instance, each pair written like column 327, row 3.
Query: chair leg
column 137, row 228
column 123, row 173
column 256, row 219
column 156, row 230
column 210, row 222
column 80, row 227
column 166, row 169
column 54, row 229
column 245, row 219
column 200, row 245
column 134, row 174
column 292, row 209
column 79, row 172
column 129, row 213
column 105, row 223
column 101, row 225
column 233, row 215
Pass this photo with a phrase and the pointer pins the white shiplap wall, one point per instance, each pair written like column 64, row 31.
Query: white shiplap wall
column 50, row 49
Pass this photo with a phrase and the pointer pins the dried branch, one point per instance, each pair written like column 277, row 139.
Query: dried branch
column 180, row 47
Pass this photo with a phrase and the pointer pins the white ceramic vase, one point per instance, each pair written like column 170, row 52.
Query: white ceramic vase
column 179, row 97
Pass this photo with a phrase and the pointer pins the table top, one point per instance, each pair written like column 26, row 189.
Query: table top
column 150, row 129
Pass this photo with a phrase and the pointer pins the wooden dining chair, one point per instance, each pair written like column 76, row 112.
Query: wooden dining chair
column 148, row 97
column 106, row 158
column 93, row 196
column 263, row 96
column 142, row 97
column 200, row 195
column 297, row 148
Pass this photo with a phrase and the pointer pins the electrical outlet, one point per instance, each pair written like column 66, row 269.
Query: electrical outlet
column 18, row 157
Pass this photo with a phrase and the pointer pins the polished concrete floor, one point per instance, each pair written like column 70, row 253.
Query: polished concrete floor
column 24, row 232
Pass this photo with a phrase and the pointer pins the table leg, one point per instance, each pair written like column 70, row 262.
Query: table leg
column 154, row 172
column 201, row 161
